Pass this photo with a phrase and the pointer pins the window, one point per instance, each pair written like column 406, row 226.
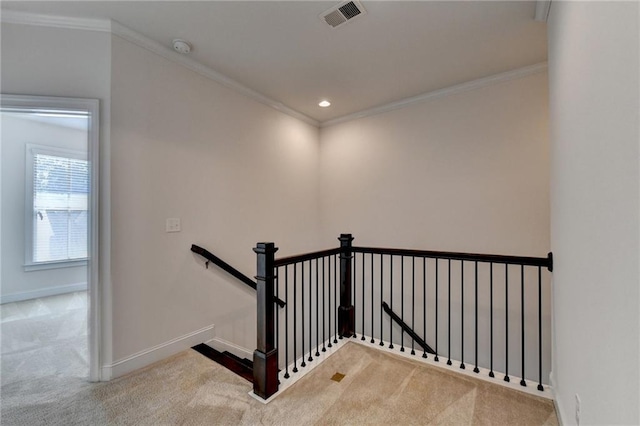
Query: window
column 57, row 205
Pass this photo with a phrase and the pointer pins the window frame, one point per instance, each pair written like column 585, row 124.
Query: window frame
column 30, row 221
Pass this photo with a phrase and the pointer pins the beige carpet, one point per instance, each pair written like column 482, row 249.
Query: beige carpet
column 189, row 389
column 44, row 337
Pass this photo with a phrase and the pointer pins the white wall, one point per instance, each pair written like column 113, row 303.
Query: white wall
column 234, row 171
column 17, row 132
column 595, row 216
column 431, row 175
column 468, row 173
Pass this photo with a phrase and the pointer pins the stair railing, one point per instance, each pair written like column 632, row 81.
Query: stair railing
column 228, row 269
column 403, row 297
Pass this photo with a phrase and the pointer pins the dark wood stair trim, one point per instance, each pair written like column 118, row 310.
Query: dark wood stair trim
column 244, row 361
column 234, row 363
column 407, row 329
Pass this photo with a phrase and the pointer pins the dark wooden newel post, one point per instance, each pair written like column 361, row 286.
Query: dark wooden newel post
column 345, row 311
column 265, row 357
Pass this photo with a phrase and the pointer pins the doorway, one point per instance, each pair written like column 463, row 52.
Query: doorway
column 49, row 250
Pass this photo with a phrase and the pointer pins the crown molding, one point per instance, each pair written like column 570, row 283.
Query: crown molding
column 440, row 93
column 24, row 18
column 115, row 28
column 187, row 62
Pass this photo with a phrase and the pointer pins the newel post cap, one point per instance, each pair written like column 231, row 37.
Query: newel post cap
column 345, row 238
column 262, row 248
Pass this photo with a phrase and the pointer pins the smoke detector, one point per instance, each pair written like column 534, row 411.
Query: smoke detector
column 342, row 13
column 181, row 46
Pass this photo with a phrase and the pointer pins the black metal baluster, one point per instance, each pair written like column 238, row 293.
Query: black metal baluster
column 372, row 332
column 413, row 301
column 402, row 302
column 317, row 310
column 335, row 295
column 424, row 303
column 362, row 306
column 355, row 294
column 329, row 312
column 449, row 310
column 286, row 322
column 310, row 317
column 324, row 320
column 476, row 370
column 491, row 374
column 540, row 387
column 295, row 318
column 506, row 325
column 276, row 282
column 381, row 297
column 462, row 315
column 436, row 359
column 302, row 364
column 522, row 381
column 391, row 304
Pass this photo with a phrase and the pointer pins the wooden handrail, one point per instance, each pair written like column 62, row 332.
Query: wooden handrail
column 283, row 261
column 229, row 269
column 408, row 329
column 546, row 262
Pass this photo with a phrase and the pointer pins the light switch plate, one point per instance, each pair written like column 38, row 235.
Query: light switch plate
column 173, row 224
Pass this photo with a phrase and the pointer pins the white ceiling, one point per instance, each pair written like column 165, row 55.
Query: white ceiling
column 284, row 51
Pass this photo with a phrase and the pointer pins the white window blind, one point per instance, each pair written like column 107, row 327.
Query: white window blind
column 60, row 207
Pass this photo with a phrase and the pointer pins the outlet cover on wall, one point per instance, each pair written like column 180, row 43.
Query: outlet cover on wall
column 173, row 224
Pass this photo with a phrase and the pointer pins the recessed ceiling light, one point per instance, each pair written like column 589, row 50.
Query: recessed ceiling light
column 324, row 104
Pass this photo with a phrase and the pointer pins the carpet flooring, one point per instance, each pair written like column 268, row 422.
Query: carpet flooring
column 43, row 337
column 189, row 389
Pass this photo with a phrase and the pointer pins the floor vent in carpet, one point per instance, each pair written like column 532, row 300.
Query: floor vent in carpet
column 337, row 377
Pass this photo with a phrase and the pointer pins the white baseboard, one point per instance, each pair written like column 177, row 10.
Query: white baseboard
column 44, row 292
column 156, row 353
column 222, row 345
column 514, row 383
column 556, row 401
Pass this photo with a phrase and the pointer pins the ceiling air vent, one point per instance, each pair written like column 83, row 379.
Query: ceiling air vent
column 342, row 13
